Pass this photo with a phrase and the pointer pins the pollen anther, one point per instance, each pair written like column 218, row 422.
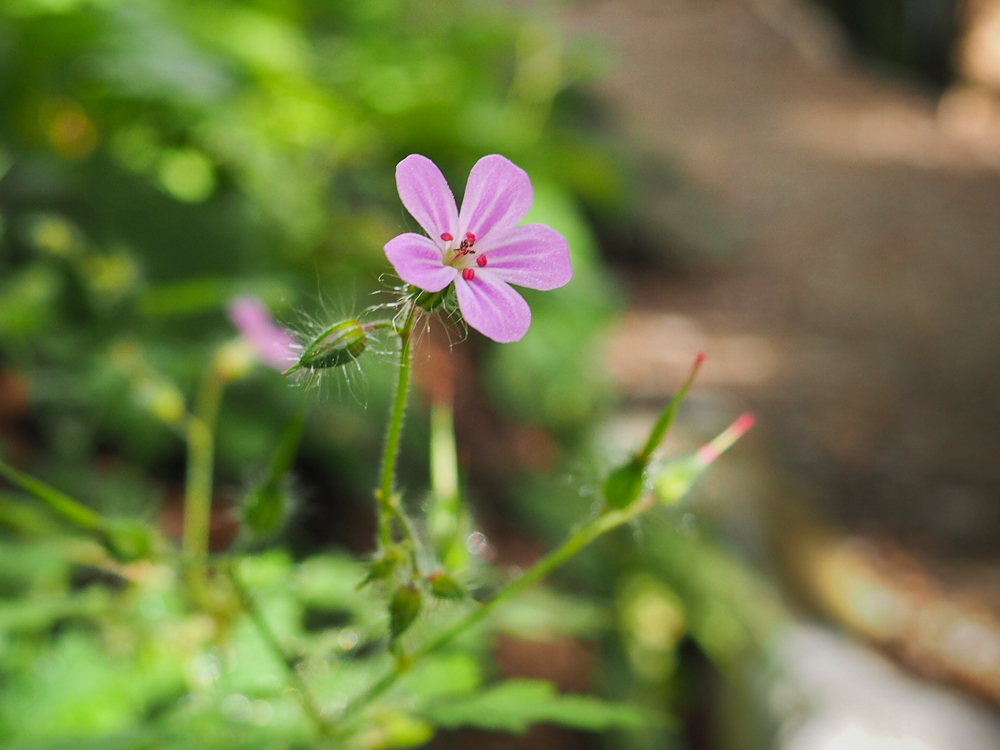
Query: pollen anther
column 468, row 274
column 446, row 237
column 481, row 261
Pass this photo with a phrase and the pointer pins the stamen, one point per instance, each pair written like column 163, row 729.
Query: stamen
column 470, row 238
column 468, row 274
column 481, row 261
column 446, row 237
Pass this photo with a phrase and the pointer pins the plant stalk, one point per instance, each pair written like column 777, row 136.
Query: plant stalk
column 386, row 498
column 578, row 539
column 200, row 460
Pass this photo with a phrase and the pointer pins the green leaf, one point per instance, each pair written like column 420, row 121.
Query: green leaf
column 516, row 705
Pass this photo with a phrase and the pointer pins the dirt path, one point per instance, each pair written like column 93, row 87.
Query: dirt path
column 842, row 260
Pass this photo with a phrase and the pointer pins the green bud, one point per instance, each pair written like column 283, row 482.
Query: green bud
column 265, row 508
column 443, row 586
column 382, row 568
column 336, row 346
column 128, row 540
column 624, row 484
column 403, row 609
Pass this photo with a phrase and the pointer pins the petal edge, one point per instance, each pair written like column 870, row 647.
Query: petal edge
column 426, row 195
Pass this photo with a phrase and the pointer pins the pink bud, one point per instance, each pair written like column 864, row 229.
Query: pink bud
column 273, row 346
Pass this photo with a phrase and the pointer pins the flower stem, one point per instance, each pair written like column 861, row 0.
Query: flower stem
column 386, row 500
column 200, row 459
column 581, row 537
column 58, row 502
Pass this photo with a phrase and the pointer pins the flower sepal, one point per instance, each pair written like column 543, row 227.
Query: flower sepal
column 431, row 301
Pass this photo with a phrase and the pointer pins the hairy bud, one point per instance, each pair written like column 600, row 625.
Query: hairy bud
column 336, row 346
column 403, row 609
column 443, row 586
column 265, row 508
column 382, row 568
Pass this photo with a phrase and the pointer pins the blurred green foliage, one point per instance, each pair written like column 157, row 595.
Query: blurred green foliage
column 159, row 157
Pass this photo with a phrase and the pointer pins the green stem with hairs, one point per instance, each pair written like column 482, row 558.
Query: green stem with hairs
column 387, row 502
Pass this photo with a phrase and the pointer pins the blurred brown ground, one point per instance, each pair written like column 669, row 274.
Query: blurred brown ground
column 829, row 236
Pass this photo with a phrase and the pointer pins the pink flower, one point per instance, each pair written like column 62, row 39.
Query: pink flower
column 480, row 249
column 273, row 346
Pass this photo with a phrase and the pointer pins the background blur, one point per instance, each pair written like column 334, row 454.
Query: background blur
column 806, row 192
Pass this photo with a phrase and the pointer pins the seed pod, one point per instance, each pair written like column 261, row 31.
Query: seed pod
column 403, row 609
column 336, row 346
column 443, row 586
column 624, row 484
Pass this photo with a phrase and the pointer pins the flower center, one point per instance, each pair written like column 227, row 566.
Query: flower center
column 461, row 256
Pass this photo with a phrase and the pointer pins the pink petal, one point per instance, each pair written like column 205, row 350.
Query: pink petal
column 417, row 260
column 426, row 195
column 535, row 256
column 273, row 346
column 493, row 308
column 497, row 196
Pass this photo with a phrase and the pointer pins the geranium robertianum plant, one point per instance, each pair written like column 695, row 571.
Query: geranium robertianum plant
column 464, row 265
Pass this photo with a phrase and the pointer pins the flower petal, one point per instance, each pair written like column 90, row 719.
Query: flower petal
column 426, row 195
column 497, row 196
column 535, row 256
column 493, row 308
column 417, row 260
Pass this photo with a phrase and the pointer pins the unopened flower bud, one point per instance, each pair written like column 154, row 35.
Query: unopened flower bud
column 128, row 540
column 382, row 568
column 443, row 586
column 265, row 508
column 336, row 346
column 403, row 609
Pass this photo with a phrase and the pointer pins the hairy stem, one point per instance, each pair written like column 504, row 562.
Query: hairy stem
column 386, row 499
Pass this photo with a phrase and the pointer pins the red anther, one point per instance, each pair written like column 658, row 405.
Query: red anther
column 469, row 274
column 481, row 261
column 446, row 237
column 470, row 238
